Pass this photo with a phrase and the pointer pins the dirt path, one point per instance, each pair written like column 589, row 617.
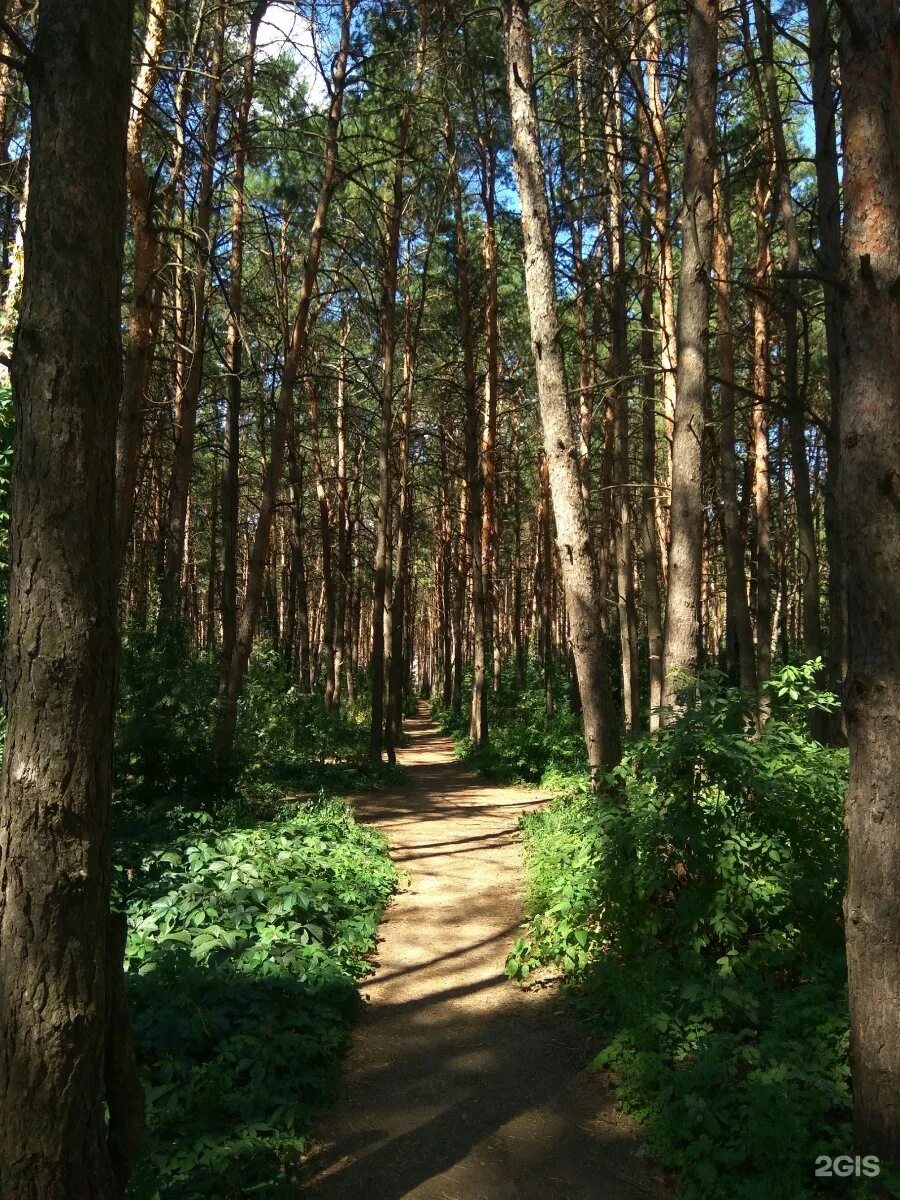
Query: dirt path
column 461, row 1085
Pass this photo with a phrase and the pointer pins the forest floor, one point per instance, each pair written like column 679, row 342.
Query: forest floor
column 461, row 1085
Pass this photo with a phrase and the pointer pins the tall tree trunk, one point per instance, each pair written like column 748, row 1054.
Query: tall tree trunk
column 619, row 368
column 662, row 188
column 142, row 327
column 796, row 414
column 544, row 559
column 518, row 617
column 234, row 356
column 298, row 565
column 573, row 535
column 388, row 339
column 186, row 402
column 328, row 613
column 759, row 423
column 227, row 716
column 65, row 1042
column 738, row 629
column 341, row 658
column 489, row 547
column 446, row 581
column 870, row 510
column 650, row 556
column 828, row 215
column 400, row 644
column 682, row 628
column 478, row 729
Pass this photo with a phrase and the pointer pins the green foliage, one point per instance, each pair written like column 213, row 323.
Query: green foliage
column 286, row 741
column 166, row 710
column 246, row 935
column 526, row 742
column 696, row 909
column 243, row 948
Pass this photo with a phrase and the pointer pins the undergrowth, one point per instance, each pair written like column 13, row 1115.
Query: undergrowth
column 695, row 910
column 253, row 897
column 287, row 743
column 244, row 945
column 528, row 737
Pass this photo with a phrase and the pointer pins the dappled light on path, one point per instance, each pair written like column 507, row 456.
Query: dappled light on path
column 461, row 1085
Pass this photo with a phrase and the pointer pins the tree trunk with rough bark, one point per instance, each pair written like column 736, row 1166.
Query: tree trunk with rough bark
column 65, row 1049
column 869, row 498
column 682, row 627
column 143, row 322
column 573, row 535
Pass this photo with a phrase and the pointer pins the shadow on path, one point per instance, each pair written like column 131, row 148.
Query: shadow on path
column 461, row 1085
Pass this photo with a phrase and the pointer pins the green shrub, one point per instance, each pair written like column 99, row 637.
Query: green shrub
column 696, row 909
column 525, row 742
column 243, row 948
column 286, row 741
column 167, row 699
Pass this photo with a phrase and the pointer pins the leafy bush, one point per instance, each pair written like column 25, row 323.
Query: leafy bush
column 286, row 741
column 166, row 711
column 696, row 909
column 525, row 741
column 243, row 948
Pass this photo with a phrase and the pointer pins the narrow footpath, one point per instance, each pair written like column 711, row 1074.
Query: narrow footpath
column 461, row 1085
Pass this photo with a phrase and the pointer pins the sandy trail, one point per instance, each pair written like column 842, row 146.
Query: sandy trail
column 461, row 1085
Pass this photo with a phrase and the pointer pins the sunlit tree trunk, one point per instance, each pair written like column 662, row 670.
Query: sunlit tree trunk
column 759, row 422
column 573, row 536
column 143, row 318
column 682, row 627
column 662, row 188
column 187, row 400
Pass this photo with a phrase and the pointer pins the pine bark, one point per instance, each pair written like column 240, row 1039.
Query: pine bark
column 573, row 535
column 869, row 499
column 143, row 321
column 65, row 1045
column 682, row 626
